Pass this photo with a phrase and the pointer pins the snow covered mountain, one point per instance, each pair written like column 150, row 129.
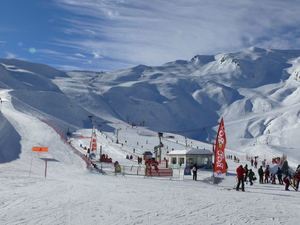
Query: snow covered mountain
column 256, row 91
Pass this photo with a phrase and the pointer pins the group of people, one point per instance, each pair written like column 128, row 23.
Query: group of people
column 265, row 176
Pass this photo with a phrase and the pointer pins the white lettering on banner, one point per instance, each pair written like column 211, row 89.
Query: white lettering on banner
column 218, row 173
column 220, row 159
column 220, row 162
column 94, row 143
column 220, row 138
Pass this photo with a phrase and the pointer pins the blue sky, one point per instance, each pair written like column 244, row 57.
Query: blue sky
column 108, row 35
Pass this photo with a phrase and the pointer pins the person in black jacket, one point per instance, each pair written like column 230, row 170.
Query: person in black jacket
column 279, row 175
column 251, row 176
column 194, row 172
column 246, row 172
column 261, row 175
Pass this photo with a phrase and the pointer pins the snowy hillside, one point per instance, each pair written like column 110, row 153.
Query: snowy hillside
column 256, row 91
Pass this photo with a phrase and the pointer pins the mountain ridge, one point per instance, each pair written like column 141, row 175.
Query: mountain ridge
column 250, row 89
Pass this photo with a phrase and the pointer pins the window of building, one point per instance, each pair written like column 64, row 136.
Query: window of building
column 204, row 160
column 173, row 160
column 191, row 161
column 181, row 161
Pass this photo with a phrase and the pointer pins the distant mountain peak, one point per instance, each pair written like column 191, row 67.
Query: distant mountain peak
column 248, row 88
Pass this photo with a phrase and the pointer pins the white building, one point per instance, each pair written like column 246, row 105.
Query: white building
column 200, row 157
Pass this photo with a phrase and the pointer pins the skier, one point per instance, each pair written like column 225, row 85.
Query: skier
column 267, row 173
column 255, row 164
column 263, row 163
column 279, row 175
column 240, row 176
column 261, row 175
column 246, row 172
column 287, row 181
column 251, row 175
column 273, row 178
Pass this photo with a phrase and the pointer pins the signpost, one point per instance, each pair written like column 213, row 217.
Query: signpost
column 40, row 149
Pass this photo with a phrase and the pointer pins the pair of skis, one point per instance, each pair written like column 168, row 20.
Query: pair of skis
column 293, row 186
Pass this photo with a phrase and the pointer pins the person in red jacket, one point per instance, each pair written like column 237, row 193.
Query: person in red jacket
column 240, row 176
column 287, row 180
column 267, row 174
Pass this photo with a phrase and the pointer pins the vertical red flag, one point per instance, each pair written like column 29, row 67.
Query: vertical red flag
column 94, row 142
column 220, row 161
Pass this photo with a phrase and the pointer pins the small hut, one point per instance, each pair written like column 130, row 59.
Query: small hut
column 201, row 157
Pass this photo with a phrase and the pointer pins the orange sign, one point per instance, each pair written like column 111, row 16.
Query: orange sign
column 40, row 149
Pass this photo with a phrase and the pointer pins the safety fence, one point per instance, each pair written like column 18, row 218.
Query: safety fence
column 135, row 170
column 65, row 139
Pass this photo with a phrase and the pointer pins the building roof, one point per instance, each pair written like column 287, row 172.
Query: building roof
column 147, row 153
column 193, row 151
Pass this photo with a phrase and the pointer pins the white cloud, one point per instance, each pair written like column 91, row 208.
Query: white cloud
column 158, row 31
column 90, row 32
column 96, row 55
column 80, row 55
column 49, row 52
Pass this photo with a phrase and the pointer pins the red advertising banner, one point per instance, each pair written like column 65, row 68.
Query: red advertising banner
column 220, row 160
column 94, row 142
column 159, row 172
